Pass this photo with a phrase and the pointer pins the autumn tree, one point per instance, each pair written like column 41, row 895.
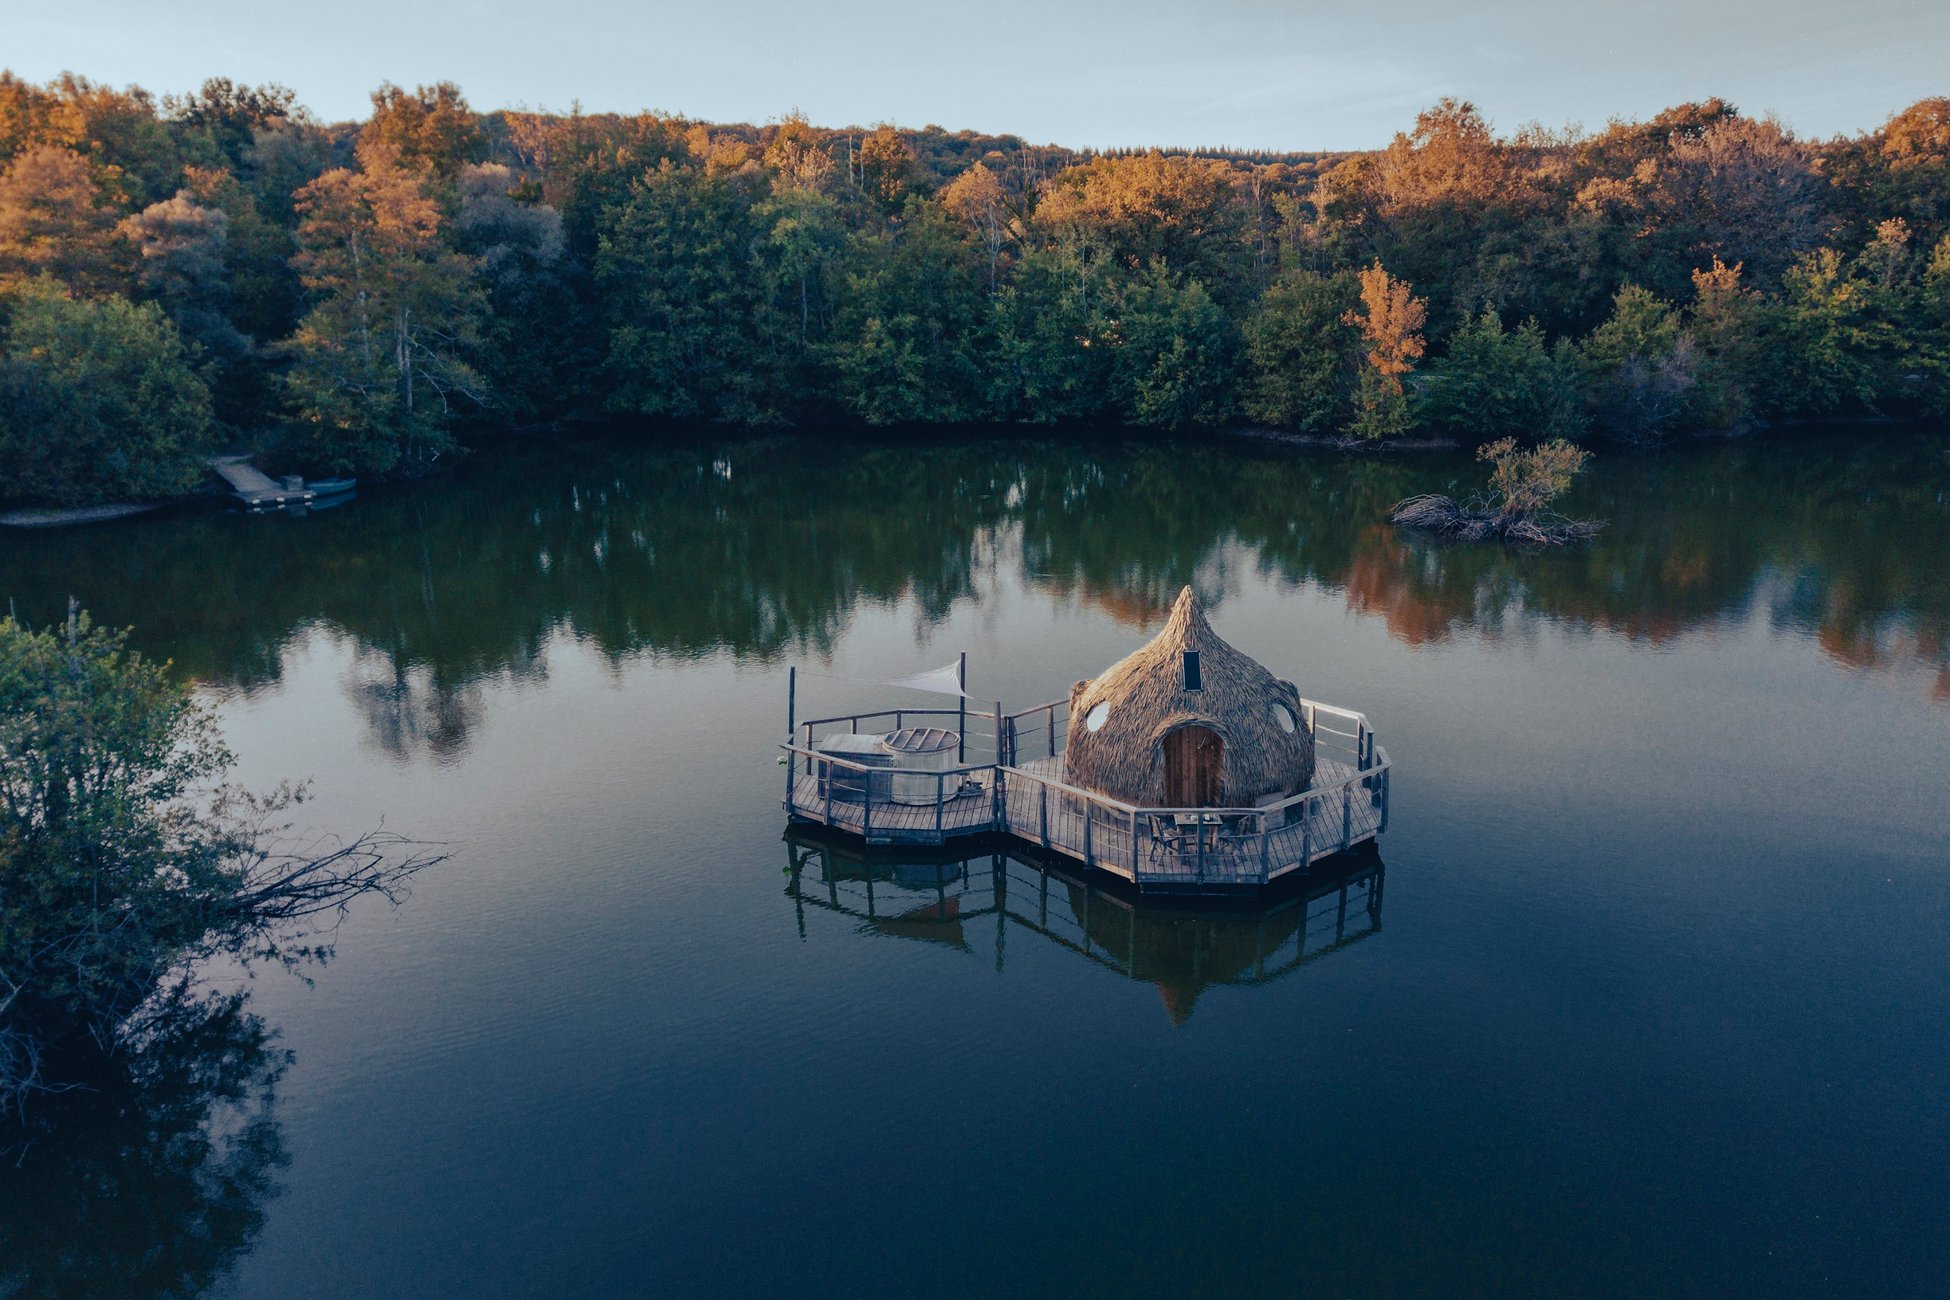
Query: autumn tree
column 1741, row 190
column 977, row 200
column 430, row 130
column 885, row 168
column 1155, row 208
column 52, row 223
column 379, row 360
column 180, row 247
column 1390, row 319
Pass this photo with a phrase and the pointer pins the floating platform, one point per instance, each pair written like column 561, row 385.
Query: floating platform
column 1028, row 800
column 1191, row 767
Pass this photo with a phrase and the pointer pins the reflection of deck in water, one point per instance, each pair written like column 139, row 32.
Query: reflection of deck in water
column 1183, row 950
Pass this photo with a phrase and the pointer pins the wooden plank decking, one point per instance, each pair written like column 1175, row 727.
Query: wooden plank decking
column 1039, row 814
column 254, row 487
column 1099, row 837
column 970, row 813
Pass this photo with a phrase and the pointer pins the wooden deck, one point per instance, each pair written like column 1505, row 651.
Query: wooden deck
column 1232, row 851
column 1030, row 801
column 972, row 812
column 255, row 488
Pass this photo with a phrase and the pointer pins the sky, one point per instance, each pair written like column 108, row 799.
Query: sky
column 1271, row 74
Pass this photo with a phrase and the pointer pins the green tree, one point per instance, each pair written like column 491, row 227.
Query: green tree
column 911, row 336
column 1638, row 368
column 1727, row 324
column 99, row 401
column 219, row 121
column 180, row 245
column 1053, row 353
column 1302, row 353
column 124, row 857
column 538, row 349
column 676, row 274
column 1495, row 381
column 1173, row 351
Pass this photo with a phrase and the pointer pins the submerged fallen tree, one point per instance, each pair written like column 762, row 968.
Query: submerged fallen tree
column 1522, row 483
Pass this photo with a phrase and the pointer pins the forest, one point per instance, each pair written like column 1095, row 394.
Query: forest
column 219, row 269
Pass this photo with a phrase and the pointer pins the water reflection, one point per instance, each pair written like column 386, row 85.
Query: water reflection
column 976, row 903
column 764, row 549
column 152, row 1180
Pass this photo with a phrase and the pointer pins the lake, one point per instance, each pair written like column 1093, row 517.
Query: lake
column 1653, row 1002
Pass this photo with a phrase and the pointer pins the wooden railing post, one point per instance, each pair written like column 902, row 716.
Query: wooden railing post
column 791, row 726
column 1265, row 851
column 829, row 791
column 1134, row 846
column 1051, row 715
column 1347, row 815
column 1045, row 814
column 866, row 813
column 940, row 787
column 1307, row 834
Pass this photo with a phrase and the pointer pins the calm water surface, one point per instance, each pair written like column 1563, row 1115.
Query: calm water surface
column 1653, row 1002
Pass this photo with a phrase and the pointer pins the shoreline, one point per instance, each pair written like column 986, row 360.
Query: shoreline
column 36, row 517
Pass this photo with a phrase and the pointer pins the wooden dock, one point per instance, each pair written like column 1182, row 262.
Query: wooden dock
column 256, row 489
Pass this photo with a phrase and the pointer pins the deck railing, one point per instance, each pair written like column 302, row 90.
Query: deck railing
column 1039, row 732
column 1150, row 845
column 950, row 784
column 1197, row 846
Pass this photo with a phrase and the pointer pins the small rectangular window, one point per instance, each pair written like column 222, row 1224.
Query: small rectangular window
column 1193, row 682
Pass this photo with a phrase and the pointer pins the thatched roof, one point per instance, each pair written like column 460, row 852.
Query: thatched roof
column 1146, row 700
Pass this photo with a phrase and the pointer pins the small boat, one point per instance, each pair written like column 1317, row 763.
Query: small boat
column 331, row 487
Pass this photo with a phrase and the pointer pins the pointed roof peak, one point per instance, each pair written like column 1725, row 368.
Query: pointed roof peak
column 1187, row 621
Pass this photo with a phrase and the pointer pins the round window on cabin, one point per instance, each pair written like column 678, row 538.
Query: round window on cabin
column 1094, row 720
column 1288, row 723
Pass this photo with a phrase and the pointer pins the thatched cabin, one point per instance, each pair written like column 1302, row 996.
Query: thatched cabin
column 1188, row 722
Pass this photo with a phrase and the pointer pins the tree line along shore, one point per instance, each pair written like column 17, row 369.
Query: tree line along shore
column 219, row 268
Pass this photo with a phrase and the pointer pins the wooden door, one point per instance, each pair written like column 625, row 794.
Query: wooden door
column 1194, row 767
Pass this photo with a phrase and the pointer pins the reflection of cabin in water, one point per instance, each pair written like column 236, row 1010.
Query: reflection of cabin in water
column 1186, row 765
column 1183, row 950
